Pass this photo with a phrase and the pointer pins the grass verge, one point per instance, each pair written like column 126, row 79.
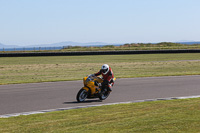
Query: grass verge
column 131, row 46
column 157, row 116
column 59, row 68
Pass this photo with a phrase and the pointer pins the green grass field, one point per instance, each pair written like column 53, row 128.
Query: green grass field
column 60, row 68
column 159, row 116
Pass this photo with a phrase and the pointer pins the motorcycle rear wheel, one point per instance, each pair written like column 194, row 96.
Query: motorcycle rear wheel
column 82, row 95
column 104, row 95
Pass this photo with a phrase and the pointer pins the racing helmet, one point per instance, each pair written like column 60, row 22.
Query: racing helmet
column 105, row 69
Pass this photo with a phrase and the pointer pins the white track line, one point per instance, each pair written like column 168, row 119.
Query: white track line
column 77, row 107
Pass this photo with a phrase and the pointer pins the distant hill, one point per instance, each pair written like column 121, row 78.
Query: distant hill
column 69, row 43
column 189, row 43
column 8, row 46
column 60, row 44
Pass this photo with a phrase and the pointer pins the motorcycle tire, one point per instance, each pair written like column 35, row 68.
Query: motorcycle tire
column 104, row 95
column 82, row 95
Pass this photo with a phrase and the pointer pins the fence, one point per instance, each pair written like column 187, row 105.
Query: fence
column 31, row 48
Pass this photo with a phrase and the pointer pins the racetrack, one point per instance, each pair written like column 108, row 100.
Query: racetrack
column 18, row 98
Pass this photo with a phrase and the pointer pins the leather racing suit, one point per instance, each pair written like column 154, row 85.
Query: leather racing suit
column 108, row 79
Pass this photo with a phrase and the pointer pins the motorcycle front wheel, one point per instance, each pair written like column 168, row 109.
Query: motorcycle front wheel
column 82, row 95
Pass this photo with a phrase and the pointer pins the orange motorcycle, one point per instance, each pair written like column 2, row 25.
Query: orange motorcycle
column 92, row 89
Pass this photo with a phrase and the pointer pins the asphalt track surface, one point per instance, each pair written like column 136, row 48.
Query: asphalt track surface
column 17, row 98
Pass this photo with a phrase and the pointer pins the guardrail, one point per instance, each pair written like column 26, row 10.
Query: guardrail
column 97, row 53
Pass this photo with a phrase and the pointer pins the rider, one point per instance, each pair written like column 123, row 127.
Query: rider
column 108, row 77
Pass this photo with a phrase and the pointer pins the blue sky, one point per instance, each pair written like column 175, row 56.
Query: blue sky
column 31, row 22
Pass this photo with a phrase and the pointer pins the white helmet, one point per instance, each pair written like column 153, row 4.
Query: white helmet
column 105, row 69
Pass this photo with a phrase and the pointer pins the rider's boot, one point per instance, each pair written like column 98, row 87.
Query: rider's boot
column 109, row 89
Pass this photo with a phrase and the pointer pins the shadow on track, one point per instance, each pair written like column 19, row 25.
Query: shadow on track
column 88, row 101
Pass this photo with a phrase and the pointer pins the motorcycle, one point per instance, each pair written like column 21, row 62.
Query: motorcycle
column 92, row 89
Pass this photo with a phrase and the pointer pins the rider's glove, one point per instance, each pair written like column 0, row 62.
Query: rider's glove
column 97, row 84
